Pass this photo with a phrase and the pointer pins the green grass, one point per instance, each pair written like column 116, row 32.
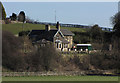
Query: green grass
column 62, row 78
column 16, row 28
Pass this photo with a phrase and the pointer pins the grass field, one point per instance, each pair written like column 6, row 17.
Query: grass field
column 16, row 28
column 62, row 78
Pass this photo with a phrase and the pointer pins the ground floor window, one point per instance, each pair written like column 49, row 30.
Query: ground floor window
column 60, row 45
column 57, row 45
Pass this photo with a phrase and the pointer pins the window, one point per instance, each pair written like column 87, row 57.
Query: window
column 60, row 45
column 65, row 45
column 57, row 45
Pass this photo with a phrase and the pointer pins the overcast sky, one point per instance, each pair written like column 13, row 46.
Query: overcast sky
column 84, row 13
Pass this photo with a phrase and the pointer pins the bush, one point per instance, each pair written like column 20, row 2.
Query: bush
column 105, row 60
column 12, row 57
column 45, row 58
column 82, row 63
column 24, row 33
column 81, row 37
column 15, row 59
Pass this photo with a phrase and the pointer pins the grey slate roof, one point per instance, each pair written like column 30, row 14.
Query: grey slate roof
column 66, row 32
column 48, row 35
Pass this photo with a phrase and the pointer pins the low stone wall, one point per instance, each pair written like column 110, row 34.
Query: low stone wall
column 6, row 74
column 66, row 73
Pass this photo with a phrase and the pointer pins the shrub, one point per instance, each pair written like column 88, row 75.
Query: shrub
column 105, row 60
column 45, row 58
column 12, row 57
column 82, row 63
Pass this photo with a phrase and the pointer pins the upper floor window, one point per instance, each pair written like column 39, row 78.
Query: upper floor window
column 65, row 45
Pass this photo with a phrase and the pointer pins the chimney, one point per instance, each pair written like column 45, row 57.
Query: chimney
column 58, row 26
column 47, row 27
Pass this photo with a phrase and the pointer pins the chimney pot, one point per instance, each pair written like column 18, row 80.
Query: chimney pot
column 47, row 27
column 58, row 26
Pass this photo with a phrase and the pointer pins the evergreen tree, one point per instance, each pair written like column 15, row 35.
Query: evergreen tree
column 21, row 16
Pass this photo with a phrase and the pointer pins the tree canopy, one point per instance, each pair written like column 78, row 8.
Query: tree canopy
column 13, row 17
column 116, row 24
column 21, row 16
column 96, row 33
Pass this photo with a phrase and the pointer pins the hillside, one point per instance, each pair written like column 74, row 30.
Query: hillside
column 16, row 28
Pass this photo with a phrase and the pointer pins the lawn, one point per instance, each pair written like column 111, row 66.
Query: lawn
column 16, row 28
column 62, row 78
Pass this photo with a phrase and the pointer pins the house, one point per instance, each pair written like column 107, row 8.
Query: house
column 62, row 38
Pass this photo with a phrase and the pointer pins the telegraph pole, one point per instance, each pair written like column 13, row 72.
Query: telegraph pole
column 55, row 16
column 118, row 6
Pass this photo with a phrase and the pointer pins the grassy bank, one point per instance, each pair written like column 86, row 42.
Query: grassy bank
column 62, row 78
column 16, row 28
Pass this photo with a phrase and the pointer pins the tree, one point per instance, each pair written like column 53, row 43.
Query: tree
column 96, row 33
column 3, row 14
column 116, row 31
column 21, row 16
column 116, row 24
column 13, row 17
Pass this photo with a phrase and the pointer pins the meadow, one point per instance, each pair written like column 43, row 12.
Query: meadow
column 62, row 78
column 16, row 28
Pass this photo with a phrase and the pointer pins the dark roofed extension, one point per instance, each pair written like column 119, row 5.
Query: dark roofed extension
column 42, row 34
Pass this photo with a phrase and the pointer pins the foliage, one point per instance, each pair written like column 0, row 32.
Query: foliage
column 15, row 58
column 107, row 37
column 24, row 33
column 115, row 43
column 82, row 63
column 12, row 58
column 13, row 17
column 96, row 33
column 81, row 37
column 21, row 16
column 105, row 60
column 116, row 24
column 3, row 11
column 44, row 58
column 115, row 39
